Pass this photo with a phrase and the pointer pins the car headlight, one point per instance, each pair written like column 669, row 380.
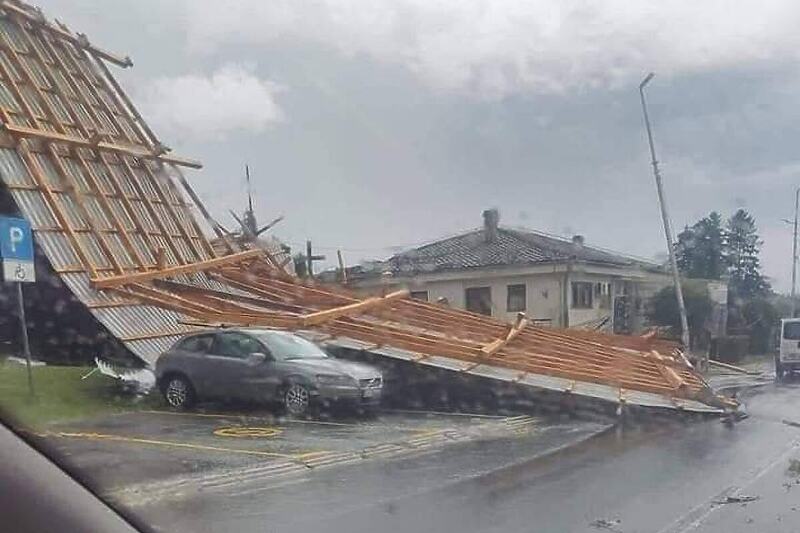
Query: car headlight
column 331, row 379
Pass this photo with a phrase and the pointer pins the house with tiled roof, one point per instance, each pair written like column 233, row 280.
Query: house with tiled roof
column 501, row 271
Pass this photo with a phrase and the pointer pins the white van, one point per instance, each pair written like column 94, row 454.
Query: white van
column 788, row 359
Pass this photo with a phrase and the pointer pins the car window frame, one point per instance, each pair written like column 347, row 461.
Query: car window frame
column 262, row 348
column 273, row 357
column 179, row 345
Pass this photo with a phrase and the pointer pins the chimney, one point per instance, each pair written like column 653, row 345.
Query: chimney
column 491, row 218
column 577, row 241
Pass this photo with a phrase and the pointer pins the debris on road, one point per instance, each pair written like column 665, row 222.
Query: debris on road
column 734, row 368
column 608, row 525
column 138, row 380
column 736, row 499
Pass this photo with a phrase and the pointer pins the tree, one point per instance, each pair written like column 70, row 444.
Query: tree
column 701, row 249
column 663, row 309
column 743, row 247
column 762, row 320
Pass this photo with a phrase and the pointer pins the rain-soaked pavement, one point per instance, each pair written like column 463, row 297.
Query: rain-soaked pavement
column 437, row 472
column 666, row 479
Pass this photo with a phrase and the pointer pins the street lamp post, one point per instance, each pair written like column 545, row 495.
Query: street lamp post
column 794, row 251
column 665, row 219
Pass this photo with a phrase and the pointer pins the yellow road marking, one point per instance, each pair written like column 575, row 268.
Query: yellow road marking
column 137, row 440
column 258, row 417
column 247, row 432
column 285, row 420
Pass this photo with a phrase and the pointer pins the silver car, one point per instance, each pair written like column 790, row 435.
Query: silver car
column 264, row 366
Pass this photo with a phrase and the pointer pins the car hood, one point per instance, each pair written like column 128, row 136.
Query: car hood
column 337, row 366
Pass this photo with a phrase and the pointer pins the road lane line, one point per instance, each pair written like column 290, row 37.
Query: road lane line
column 154, row 442
column 282, row 421
column 441, row 413
column 255, row 417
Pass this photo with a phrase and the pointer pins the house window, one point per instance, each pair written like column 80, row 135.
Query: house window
column 516, row 299
column 419, row 295
column 479, row 300
column 582, row 293
column 603, row 293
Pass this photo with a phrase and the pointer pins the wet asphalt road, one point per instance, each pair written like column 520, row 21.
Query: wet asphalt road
column 662, row 479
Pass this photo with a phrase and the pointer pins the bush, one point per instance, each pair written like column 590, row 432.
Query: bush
column 731, row 348
column 663, row 310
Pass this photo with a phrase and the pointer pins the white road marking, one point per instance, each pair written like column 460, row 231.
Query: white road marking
column 710, row 507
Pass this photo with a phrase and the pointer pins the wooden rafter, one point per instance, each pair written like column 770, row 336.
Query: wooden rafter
column 497, row 345
column 160, row 189
column 672, row 377
column 320, row 317
column 125, row 103
column 37, row 18
column 61, row 56
column 131, row 151
column 191, row 268
column 268, row 303
column 52, row 116
column 155, row 216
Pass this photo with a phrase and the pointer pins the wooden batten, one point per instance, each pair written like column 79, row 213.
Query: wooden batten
column 131, row 151
column 495, row 346
column 191, row 268
column 363, row 306
column 37, row 19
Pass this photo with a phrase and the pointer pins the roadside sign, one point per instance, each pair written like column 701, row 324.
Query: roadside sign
column 16, row 250
column 16, row 256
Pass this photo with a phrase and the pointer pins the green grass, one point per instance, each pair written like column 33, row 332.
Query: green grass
column 60, row 394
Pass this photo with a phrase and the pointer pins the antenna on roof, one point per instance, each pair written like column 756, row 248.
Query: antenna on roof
column 249, row 187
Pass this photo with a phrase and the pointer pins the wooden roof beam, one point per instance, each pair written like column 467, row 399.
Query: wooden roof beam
column 191, row 268
column 497, row 345
column 41, row 134
column 36, row 17
column 313, row 319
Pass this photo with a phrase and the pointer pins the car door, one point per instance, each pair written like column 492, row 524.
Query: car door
column 261, row 377
column 190, row 357
column 232, row 366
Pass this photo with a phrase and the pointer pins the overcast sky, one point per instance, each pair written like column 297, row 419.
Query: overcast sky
column 381, row 124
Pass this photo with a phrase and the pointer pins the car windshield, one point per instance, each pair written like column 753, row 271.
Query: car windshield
column 286, row 347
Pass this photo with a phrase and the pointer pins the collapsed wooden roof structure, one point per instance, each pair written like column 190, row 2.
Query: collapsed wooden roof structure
column 121, row 226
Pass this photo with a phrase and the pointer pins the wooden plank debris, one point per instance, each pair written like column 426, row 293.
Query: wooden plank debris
column 370, row 304
column 139, row 277
column 499, row 344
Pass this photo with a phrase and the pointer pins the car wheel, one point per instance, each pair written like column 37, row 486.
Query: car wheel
column 178, row 392
column 296, row 399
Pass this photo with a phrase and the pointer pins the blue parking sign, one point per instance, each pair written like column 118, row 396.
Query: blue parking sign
column 16, row 249
column 15, row 239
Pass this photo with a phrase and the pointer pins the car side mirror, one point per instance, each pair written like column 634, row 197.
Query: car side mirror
column 258, row 358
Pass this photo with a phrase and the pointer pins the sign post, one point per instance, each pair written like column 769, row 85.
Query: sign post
column 16, row 256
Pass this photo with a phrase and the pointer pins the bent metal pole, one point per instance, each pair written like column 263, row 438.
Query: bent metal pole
column 665, row 219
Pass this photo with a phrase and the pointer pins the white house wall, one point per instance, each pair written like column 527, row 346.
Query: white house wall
column 544, row 289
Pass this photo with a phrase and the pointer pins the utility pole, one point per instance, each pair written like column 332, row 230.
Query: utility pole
column 342, row 268
column 794, row 252
column 310, row 258
column 665, row 219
